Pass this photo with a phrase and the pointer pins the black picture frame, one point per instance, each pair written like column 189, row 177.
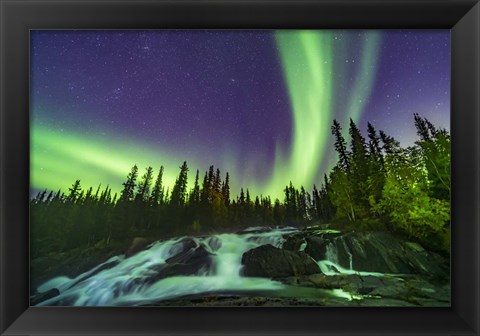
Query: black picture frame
column 17, row 17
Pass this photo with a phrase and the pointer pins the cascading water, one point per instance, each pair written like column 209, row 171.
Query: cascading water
column 331, row 266
column 331, row 253
column 350, row 256
column 139, row 280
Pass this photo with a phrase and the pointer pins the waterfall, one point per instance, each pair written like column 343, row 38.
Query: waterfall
column 350, row 257
column 331, row 253
column 331, row 266
column 133, row 281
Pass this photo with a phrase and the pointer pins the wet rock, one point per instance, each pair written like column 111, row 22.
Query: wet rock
column 398, row 292
column 213, row 243
column 269, row 261
column 70, row 264
column 258, row 229
column 316, row 247
column 193, row 261
column 385, row 302
column 40, row 297
column 138, row 244
column 377, row 252
column 100, row 268
column 293, row 243
column 373, row 252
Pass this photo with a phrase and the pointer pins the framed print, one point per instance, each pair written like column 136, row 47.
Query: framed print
column 185, row 167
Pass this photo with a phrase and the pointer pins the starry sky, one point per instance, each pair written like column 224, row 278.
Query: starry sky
column 256, row 103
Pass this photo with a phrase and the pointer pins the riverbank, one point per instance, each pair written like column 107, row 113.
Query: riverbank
column 254, row 267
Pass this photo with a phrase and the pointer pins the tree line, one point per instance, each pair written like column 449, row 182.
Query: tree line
column 375, row 185
column 378, row 185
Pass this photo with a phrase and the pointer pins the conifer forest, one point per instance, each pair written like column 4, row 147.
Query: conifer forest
column 234, row 168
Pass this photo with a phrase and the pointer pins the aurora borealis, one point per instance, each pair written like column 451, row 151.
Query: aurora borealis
column 258, row 104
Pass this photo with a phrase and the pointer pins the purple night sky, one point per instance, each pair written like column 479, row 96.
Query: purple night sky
column 102, row 101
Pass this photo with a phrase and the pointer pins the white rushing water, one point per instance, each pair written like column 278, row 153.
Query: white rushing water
column 129, row 281
column 187, row 266
column 331, row 266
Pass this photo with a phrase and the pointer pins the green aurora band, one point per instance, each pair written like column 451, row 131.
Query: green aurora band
column 58, row 158
column 308, row 58
column 307, row 63
column 366, row 75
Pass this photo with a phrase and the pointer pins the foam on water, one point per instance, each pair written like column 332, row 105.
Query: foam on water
column 331, row 268
column 126, row 283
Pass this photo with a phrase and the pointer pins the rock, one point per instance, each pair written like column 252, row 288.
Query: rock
column 293, row 243
column 375, row 252
column 378, row 252
column 70, row 264
column 396, row 292
column 428, row 263
column 271, row 262
column 40, row 297
column 257, row 229
column 192, row 261
column 316, row 247
column 381, row 302
column 98, row 269
column 213, row 243
column 138, row 244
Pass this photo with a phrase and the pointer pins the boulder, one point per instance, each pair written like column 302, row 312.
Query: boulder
column 106, row 265
column 70, row 264
column 40, row 297
column 293, row 243
column 138, row 244
column 271, row 262
column 376, row 252
column 372, row 252
column 316, row 247
column 195, row 260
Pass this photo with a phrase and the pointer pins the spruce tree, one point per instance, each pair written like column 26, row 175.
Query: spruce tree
column 74, row 192
column 179, row 190
column 194, row 198
column 129, row 185
column 143, row 189
column 157, row 191
column 340, row 145
column 226, row 190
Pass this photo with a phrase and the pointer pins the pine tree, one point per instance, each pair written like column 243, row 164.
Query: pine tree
column 143, row 188
column 302, row 204
column 74, row 192
column 211, row 180
column 340, row 145
column 374, row 143
column 49, row 197
column 422, row 127
column 390, row 145
column 358, row 149
column 316, row 209
column 129, row 185
column 205, row 196
column 40, row 196
column 217, row 182
column 278, row 213
column 241, row 200
column 226, row 190
column 179, row 190
column 97, row 192
column 376, row 178
column 157, row 191
column 195, row 194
